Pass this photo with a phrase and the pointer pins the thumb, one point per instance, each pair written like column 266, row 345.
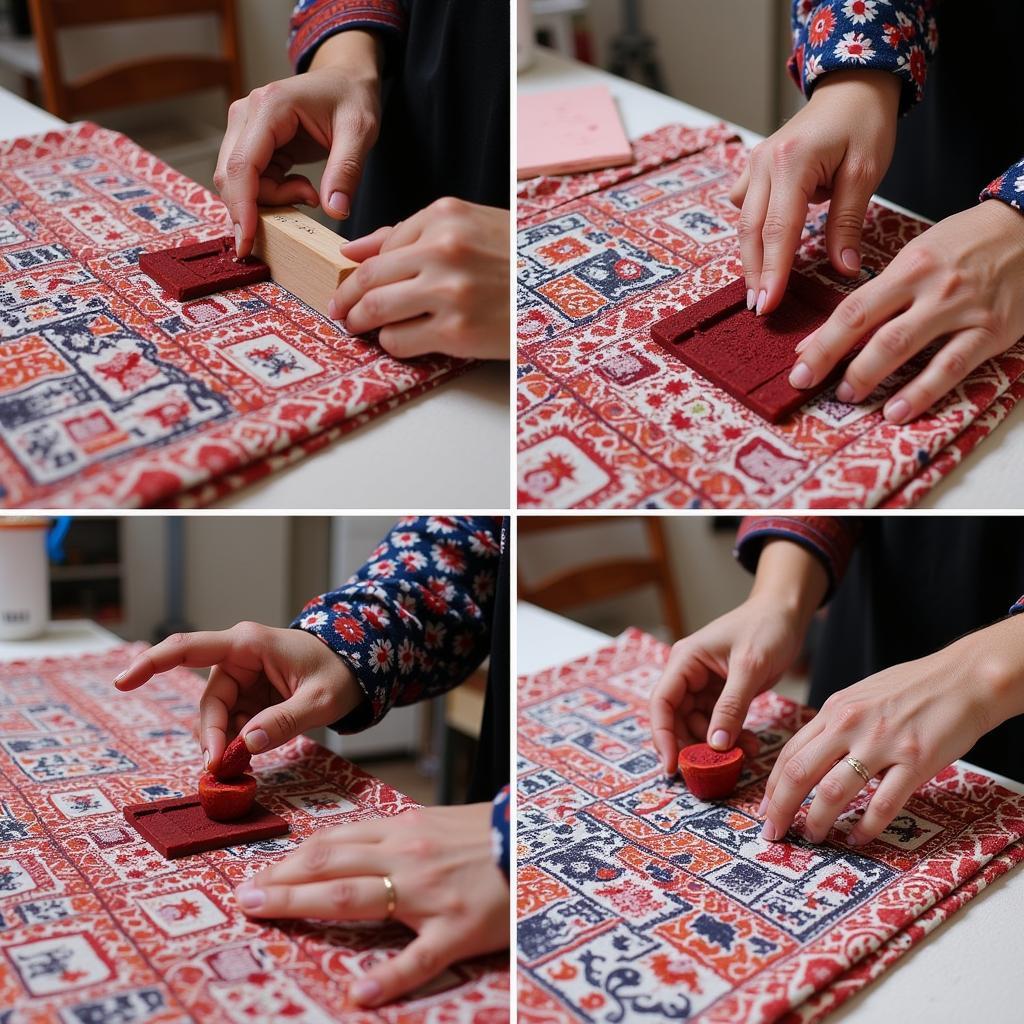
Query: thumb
column 746, row 676
column 349, row 147
column 282, row 722
column 851, row 193
column 360, row 249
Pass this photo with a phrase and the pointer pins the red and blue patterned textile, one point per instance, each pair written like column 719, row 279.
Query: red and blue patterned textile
column 96, row 926
column 637, row 901
column 314, row 21
column 606, row 419
column 111, row 393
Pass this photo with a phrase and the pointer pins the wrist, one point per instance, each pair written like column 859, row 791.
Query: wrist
column 880, row 89
column 996, row 655
column 356, row 53
column 791, row 581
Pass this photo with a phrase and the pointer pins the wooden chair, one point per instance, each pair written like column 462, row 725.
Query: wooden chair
column 132, row 81
column 603, row 577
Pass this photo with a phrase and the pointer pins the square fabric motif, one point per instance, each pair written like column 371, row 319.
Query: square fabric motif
column 113, row 393
column 636, row 899
column 96, row 926
column 607, row 419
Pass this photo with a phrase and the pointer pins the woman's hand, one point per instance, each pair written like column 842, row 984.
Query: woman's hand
column 713, row 675
column 447, row 888
column 272, row 683
column 837, row 146
column 959, row 283
column 331, row 110
column 437, row 282
column 909, row 721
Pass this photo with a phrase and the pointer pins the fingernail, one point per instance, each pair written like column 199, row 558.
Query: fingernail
column 250, row 897
column 750, row 298
column 844, row 392
column 238, row 239
column 762, row 297
column 257, row 741
column 332, row 310
column 206, row 759
column 339, row 203
column 366, row 990
column 768, row 832
column 851, row 259
column 801, row 376
column 720, row 739
column 896, row 411
column 812, row 837
column 763, row 807
column 120, row 677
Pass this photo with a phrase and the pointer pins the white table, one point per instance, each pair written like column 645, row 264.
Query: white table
column 967, row 969
column 65, row 638
column 990, row 477
column 448, row 448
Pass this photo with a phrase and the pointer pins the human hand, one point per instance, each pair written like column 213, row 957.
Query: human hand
column 331, row 110
column 437, row 282
column 273, row 683
column 908, row 721
column 958, row 283
column 712, row 676
column 839, row 145
column 447, row 888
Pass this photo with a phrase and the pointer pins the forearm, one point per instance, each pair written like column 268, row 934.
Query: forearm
column 356, row 52
column 790, row 579
column 314, row 24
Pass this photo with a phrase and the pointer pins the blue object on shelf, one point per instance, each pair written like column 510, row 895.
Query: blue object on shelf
column 55, row 538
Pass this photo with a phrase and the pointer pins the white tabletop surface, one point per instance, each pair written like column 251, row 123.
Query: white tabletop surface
column 65, row 637
column 967, row 969
column 990, row 477
column 446, row 449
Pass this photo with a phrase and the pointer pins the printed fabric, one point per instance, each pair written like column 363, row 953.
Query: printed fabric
column 314, row 21
column 637, row 900
column 95, row 925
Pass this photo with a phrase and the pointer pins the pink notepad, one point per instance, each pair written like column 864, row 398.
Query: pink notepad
column 570, row 130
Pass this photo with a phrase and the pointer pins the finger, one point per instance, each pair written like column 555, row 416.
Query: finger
column 851, row 321
column 663, row 729
column 389, row 304
column 411, row 339
column 755, row 204
column 237, row 114
column 783, row 225
column 811, row 731
column 697, row 725
column 959, row 357
column 422, row 960
column 831, row 796
column 291, row 189
column 682, row 670
column 194, row 650
column 739, row 188
column 800, row 774
column 352, row 139
column 748, row 673
column 851, row 193
column 339, row 899
column 305, row 709
column 374, row 272
column 889, row 348
column 348, row 851
column 214, row 707
column 360, row 249
column 891, row 796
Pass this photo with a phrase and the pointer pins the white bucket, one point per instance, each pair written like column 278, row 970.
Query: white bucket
column 24, row 578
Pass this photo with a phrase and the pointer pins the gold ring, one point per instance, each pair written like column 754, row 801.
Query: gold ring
column 389, row 887
column 858, row 767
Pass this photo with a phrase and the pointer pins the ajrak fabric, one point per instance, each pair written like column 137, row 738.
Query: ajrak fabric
column 96, row 926
column 314, row 21
column 607, row 420
column 638, row 901
column 112, row 394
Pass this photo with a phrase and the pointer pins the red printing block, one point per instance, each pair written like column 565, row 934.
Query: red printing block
column 200, row 268
column 179, row 826
column 750, row 356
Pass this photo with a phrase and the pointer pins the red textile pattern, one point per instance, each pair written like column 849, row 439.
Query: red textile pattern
column 93, row 920
column 114, row 394
column 607, row 420
column 635, row 895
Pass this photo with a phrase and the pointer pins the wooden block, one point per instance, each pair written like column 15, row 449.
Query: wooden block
column 302, row 254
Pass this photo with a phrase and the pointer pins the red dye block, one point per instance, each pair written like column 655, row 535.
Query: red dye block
column 750, row 356
column 179, row 826
column 200, row 268
column 226, row 800
column 710, row 774
column 234, row 761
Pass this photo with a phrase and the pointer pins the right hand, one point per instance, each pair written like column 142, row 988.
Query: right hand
column 331, row 110
column 268, row 684
column 839, row 145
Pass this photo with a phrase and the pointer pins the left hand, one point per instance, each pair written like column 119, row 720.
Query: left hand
column 909, row 721
column 448, row 889
column 437, row 282
column 959, row 283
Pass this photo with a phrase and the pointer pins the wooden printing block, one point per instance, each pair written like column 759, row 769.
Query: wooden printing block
column 751, row 356
column 178, row 826
column 200, row 268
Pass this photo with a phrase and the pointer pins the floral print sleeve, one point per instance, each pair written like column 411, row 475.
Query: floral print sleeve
column 886, row 35
column 314, row 21
column 1018, row 607
column 415, row 620
column 1008, row 187
column 501, row 831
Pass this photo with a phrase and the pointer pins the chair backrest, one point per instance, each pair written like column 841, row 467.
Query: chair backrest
column 132, row 81
column 604, row 577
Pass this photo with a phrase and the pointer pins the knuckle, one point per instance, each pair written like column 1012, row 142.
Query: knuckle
column 950, row 284
column 794, row 772
column 861, row 170
column 247, row 632
column 340, row 895
column 285, row 722
column 316, row 855
column 847, row 220
column 989, row 324
column 236, row 164
column 349, row 168
column 729, row 705
column 369, row 306
column 447, row 206
column 748, row 222
column 850, row 716
column 784, row 150
column 426, row 960
column 919, row 261
column 909, row 750
column 219, row 178
column 831, row 790
column 177, row 640
column 953, row 364
column 451, row 246
column 895, row 341
column 774, row 230
column 885, row 806
column 851, row 313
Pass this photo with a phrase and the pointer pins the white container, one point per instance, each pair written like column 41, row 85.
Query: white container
column 24, row 578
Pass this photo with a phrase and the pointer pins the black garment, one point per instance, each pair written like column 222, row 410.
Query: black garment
column 914, row 585
column 445, row 116
column 491, row 770
column 970, row 125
